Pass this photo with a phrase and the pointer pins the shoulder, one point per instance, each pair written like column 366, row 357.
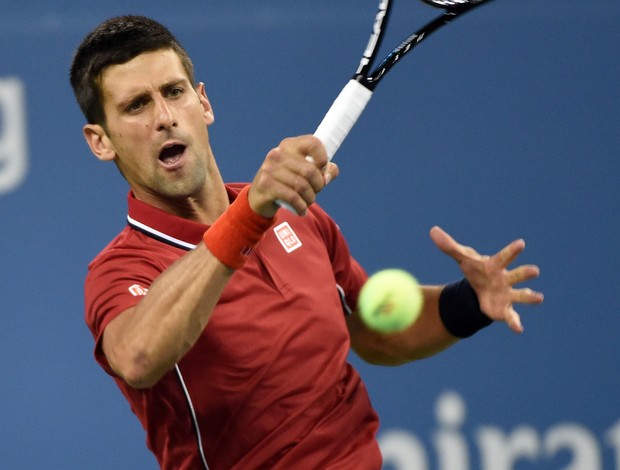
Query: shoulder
column 131, row 244
column 131, row 258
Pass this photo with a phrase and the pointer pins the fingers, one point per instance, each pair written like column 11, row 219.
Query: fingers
column 523, row 273
column 513, row 320
column 448, row 245
column 521, row 296
column 294, row 172
column 526, row 296
column 508, row 254
column 459, row 252
column 298, row 180
column 330, row 172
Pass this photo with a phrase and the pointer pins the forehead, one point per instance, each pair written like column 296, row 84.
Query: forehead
column 146, row 71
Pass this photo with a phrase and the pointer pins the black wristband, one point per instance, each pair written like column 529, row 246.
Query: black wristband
column 459, row 310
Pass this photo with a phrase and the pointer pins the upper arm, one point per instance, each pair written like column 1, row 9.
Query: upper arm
column 115, row 284
column 113, row 339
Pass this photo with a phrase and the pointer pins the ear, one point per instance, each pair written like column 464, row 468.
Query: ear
column 99, row 142
column 206, row 105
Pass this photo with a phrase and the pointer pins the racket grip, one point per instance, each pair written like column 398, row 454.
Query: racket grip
column 286, row 205
column 342, row 116
column 339, row 120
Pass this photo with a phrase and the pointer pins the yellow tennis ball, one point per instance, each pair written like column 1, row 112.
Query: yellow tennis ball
column 390, row 301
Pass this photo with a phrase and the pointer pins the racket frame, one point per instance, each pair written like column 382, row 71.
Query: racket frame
column 352, row 100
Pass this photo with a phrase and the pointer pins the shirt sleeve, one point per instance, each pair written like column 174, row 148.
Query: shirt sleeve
column 116, row 281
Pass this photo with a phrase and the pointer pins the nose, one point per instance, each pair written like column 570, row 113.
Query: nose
column 164, row 116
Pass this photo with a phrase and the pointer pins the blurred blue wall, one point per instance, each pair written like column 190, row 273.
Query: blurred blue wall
column 504, row 125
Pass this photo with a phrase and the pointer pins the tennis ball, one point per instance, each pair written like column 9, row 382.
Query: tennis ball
column 390, row 301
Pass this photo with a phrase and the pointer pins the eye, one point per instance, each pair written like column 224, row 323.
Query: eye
column 175, row 92
column 136, row 105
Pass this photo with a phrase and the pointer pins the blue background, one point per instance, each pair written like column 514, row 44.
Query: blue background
column 504, row 125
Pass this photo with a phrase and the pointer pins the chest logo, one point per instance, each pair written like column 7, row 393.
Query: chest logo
column 137, row 290
column 287, row 237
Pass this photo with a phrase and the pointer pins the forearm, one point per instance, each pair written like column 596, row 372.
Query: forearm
column 425, row 337
column 144, row 343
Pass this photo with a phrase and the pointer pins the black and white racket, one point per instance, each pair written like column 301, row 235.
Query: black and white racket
column 348, row 106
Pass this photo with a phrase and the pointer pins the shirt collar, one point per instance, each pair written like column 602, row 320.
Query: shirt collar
column 168, row 228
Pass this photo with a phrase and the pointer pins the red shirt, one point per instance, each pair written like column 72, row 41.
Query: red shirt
column 267, row 384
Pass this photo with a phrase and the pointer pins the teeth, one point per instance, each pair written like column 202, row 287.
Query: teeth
column 171, row 160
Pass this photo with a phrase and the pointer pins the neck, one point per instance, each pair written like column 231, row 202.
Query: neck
column 204, row 205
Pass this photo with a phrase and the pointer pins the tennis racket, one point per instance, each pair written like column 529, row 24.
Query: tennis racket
column 350, row 103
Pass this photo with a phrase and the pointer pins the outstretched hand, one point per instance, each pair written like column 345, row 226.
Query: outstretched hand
column 491, row 279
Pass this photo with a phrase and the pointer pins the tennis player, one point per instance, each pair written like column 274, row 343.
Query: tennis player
column 225, row 322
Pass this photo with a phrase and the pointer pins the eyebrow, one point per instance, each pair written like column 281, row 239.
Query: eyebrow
column 173, row 83
column 123, row 103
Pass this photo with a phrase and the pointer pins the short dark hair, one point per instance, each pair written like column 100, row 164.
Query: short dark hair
column 117, row 41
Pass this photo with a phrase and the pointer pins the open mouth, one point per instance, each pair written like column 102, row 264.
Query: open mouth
column 170, row 155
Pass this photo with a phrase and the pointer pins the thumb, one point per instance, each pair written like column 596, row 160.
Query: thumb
column 444, row 242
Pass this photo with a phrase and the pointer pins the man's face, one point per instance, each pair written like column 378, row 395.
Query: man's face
column 156, row 126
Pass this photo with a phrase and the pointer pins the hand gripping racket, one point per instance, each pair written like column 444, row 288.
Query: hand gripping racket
column 350, row 103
